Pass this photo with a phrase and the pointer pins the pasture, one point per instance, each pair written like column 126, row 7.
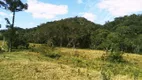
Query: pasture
column 44, row 63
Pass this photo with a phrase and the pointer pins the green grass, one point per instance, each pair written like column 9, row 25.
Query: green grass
column 44, row 63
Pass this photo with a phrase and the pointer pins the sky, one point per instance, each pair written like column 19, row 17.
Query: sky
column 97, row 11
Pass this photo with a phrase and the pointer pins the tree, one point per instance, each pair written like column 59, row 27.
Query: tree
column 138, row 44
column 98, row 38
column 13, row 6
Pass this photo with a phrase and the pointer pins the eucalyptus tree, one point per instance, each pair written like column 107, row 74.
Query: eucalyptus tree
column 12, row 6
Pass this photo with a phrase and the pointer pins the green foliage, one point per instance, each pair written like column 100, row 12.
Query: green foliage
column 46, row 51
column 106, row 74
column 13, row 5
column 110, row 70
column 114, row 56
column 138, row 44
column 98, row 37
column 122, row 34
column 70, row 32
column 19, row 41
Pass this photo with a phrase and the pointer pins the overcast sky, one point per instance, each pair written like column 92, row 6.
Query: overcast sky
column 97, row 11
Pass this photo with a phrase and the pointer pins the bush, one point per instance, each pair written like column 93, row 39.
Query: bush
column 113, row 56
column 46, row 51
column 20, row 44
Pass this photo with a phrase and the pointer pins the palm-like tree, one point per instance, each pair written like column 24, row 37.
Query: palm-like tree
column 13, row 6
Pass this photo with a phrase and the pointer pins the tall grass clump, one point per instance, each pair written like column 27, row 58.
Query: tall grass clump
column 113, row 56
column 46, row 51
column 106, row 73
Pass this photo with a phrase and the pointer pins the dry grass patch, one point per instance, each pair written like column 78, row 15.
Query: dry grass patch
column 19, row 70
column 73, row 64
column 84, row 53
column 134, row 58
column 44, row 71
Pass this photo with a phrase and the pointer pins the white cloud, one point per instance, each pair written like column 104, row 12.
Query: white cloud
column 79, row 1
column 121, row 7
column 46, row 10
column 89, row 16
column 3, row 14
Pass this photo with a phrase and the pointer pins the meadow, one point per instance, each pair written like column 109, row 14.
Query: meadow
column 41, row 62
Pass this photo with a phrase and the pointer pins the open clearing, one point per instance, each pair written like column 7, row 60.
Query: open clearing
column 72, row 64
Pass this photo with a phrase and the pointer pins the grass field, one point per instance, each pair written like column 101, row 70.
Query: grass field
column 44, row 63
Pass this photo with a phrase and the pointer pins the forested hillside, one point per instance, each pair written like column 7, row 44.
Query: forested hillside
column 122, row 34
column 70, row 32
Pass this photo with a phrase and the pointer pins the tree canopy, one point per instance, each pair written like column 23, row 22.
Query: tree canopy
column 13, row 5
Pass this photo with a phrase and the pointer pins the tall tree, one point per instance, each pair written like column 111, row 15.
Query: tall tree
column 13, row 6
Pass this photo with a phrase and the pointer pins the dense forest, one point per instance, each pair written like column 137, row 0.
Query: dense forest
column 123, row 34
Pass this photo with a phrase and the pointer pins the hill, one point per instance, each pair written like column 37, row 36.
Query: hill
column 133, row 22
column 122, row 34
column 67, row 32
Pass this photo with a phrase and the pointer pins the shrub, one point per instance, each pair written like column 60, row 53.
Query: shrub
column 113, row 56
column 46, row 51
column 20, row 44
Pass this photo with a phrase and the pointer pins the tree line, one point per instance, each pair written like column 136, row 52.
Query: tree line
column 122, row 34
